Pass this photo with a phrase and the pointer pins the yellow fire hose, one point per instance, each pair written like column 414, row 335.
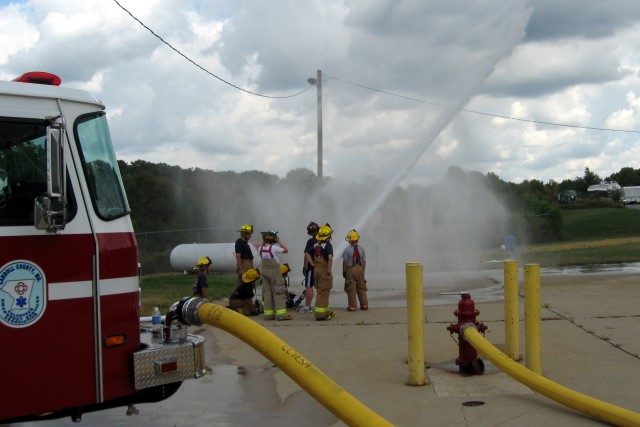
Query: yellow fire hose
column 604, row 411
column 296, row 366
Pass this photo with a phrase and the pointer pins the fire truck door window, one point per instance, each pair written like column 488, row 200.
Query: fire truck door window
column 100, row 167
column 23, row 170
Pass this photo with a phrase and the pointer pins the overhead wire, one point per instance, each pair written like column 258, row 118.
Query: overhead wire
column 368, row 88
column 201, row 67
column 478, row 112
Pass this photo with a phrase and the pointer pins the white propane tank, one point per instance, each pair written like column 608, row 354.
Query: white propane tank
column 184, row 257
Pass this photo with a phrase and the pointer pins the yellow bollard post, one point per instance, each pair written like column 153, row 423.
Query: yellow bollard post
column 415, row 314
column 511, row 312
column 532, row 321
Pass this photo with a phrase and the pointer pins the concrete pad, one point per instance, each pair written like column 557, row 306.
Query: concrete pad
column 590, row 344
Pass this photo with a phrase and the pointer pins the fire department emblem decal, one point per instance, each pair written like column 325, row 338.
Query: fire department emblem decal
column 22, row 293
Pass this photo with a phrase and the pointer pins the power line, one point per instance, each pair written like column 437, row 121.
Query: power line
column 202, row 68
column 479, row 112
column 366, row 87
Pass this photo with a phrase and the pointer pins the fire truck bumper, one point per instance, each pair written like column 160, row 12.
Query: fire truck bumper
column 168, row 362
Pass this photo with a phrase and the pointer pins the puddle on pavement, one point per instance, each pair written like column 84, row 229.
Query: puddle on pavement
column 440, row 288
column 485, row 285
column 622, row 268
column 228, row 395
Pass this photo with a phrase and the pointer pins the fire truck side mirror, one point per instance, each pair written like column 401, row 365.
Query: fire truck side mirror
column 41, row 207
column 50, row 211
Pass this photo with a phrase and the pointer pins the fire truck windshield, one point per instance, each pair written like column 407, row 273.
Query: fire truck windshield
column 100, row 167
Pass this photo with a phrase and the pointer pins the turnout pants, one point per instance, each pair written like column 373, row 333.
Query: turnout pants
column 323, row 282
column 273, row 290
column 355, row 286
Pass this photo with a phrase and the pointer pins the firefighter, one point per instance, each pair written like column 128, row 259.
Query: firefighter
column 273, row 285
column 354, row 262
column 200, row 286
column 307, row 269
column 241, row 299
column 322, row 256
column 244, row 256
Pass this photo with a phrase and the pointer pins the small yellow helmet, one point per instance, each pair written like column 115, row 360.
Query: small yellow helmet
column 284, row 268
column 246, row 228
column 251, row 275
column 352, row 236
column 324, row 233
column 203, row 263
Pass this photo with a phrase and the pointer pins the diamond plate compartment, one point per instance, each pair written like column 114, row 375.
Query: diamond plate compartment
column 165, row 363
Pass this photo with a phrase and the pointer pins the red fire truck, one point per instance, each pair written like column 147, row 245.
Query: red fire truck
column 70, row 330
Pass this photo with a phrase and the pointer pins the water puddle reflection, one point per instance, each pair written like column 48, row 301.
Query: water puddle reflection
column 228, row 395
column 389, row 290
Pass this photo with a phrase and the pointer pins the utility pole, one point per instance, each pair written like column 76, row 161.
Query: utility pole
column 318, row 84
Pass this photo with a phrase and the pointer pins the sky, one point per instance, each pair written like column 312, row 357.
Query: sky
column 409, row 87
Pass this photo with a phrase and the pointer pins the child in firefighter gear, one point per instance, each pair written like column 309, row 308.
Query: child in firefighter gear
column 243, row 254
column 307, row 269
column 199, row 288
column 290, row 297
column 322, row 256
column 354, row 262
column 241, row 300
column 273, row 285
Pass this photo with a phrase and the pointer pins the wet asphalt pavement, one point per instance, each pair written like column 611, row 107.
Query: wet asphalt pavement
column 250, row 391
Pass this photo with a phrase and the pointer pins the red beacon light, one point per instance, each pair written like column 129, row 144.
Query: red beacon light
column 39, row 77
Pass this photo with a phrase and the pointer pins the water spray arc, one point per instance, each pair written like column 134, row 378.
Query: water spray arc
column 510, row 29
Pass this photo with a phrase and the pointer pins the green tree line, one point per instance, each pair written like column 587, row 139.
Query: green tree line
column 171, row 205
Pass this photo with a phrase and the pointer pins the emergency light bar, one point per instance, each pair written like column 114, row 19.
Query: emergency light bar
column 39, row 77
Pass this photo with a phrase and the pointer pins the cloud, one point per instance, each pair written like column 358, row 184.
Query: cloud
column 569, row 68
column 554, row 20
column 536, row 69
column 18, row 34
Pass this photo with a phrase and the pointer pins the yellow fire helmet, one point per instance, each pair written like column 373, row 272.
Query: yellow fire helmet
column 352, row 236
column 246, row 228
column 324, row 233
column 203, row 263
column 284, row 268
column 251, row 275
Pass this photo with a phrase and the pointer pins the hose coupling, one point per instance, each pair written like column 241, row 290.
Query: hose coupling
column 465, row 327
column 186, row 310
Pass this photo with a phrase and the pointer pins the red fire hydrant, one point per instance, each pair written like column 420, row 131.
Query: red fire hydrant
column 468, row 360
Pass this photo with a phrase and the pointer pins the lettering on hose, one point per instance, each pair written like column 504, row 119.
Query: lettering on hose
column 296, row 356
column 217, row 313
column 23, row 293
